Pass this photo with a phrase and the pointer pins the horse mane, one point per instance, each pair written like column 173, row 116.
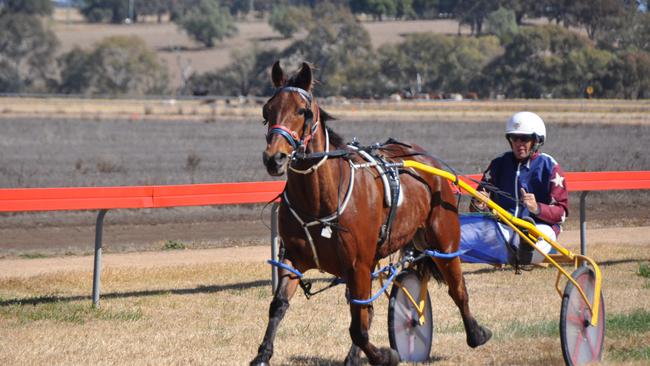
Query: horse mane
column 335, row 139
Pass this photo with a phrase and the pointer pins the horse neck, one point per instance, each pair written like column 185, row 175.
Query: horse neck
column 316, row 193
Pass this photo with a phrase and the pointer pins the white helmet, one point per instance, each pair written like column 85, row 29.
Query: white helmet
column 527, row 123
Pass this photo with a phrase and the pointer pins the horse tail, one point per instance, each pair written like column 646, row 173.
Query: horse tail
column 433, row 269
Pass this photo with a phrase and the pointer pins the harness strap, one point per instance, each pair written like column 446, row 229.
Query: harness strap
column 313, row 168
column 291, row 136
column 390, row 178
column 323, row 221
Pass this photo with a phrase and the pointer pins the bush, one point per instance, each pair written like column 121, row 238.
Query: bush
column 628, row 76
column 548, row 61
column 116, row 66
column 246, row 75
column 503, row 24
column 26, row 53
column 444, row 63
column 288, row 20
column 208, row 21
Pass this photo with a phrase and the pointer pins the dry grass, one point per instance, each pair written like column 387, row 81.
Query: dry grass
column 558, row 111
column 208, row 314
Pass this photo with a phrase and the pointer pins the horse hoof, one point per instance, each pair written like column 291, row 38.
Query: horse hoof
column 483, row 335
column 257, row 362
column 352, row 361
column 391, row 356
column 261, row 363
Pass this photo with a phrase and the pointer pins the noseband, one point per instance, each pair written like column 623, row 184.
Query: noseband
column 291, row 136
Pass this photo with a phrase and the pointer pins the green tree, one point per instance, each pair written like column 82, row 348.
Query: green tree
column 628, row 76
column 335, row 39
column 118, row 65
column 287, row 20
column 474, row 12
column 76, row 71
column 33, row 7
column 246, row 75
column 598, row 15
column 503, row 24
column 545, row 61
column 96, row 11
column 238, row 8
column 27, row 49
column 405, row 10
column 151, row 7
column 208, row 21
column 429, row 9
column 630, row 32
column 443, row 63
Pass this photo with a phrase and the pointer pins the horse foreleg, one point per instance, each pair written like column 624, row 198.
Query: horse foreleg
column 277, row 310
column 354, row 354
column 359, row 288
column 453, row 275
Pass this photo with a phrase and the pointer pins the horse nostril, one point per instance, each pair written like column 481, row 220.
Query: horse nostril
column 265, row 158
column 280, row 158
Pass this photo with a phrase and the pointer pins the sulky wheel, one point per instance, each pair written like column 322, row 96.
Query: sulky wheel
column 410, row 339
column 582, row 343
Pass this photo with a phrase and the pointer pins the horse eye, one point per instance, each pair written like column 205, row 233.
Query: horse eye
column 265, row 122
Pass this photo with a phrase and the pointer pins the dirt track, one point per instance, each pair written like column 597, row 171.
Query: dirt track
column 259, row 253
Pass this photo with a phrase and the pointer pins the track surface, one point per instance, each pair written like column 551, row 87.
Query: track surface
column 258, row 253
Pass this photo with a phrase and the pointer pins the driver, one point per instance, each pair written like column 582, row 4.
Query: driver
column 533, row 182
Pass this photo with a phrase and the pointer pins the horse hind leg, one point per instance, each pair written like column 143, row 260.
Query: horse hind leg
column 359, row 288
column 278, row 308
column 453, row 276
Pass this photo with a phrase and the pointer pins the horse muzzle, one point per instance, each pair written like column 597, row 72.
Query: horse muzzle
column 275, row 164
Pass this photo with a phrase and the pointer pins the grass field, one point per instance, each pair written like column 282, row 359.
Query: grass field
column 216, row 314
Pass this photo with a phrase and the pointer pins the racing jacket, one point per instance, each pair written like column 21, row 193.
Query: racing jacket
column 541, row 175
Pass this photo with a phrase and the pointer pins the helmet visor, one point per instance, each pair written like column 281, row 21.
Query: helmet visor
column 520, row 138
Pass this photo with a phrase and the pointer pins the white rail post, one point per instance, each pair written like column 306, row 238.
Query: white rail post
column 583, row 223
column 99, row 227
column 275, row 240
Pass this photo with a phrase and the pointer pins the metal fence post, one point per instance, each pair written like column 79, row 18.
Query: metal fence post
column 99, row 227
column 275, row 240
column 583, row 223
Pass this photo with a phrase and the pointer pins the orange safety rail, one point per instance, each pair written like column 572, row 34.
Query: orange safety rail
column 216, row 194
column 608, row 181
column 85, row 198
column 91, row 198
column 595, row 181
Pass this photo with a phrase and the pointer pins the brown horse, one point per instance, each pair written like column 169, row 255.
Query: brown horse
column 324, row 227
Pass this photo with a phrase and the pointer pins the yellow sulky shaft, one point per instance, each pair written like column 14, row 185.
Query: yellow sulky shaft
column 533, row 236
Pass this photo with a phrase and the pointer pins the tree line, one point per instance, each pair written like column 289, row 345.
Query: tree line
column 503, row 56
column 507, row 58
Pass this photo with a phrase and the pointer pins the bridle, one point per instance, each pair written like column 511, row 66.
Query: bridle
column 296, row 141
column 299, row 143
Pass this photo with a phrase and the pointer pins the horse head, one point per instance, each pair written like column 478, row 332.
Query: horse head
column 289, row 115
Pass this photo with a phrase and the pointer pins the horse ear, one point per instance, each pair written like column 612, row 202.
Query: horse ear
column 277, row 75
column 304, row 77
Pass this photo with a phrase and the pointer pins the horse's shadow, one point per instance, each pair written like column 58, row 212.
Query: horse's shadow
column 117, row 295
column 317, row 361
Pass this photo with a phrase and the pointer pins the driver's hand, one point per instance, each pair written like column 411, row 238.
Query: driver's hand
column 481, row 206
column 529, row 201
